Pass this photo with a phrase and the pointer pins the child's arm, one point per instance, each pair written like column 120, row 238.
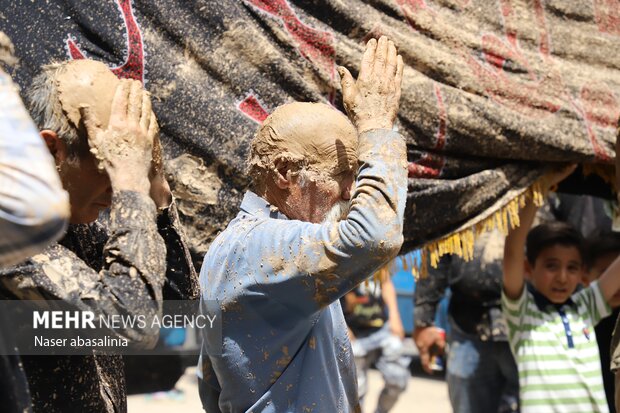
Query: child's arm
column 514, row 248
column 514, row 252
column 609, row 283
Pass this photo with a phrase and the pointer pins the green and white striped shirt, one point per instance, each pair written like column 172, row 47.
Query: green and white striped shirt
column 556, row 352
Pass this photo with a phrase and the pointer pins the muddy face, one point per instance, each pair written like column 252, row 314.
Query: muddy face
column 319, row 145
column 319, row 196
column 89, row 189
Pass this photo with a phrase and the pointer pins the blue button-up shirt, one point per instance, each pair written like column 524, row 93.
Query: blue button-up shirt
column 285, row 346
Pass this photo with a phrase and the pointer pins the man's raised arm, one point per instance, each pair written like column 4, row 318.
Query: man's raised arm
column 340, row 255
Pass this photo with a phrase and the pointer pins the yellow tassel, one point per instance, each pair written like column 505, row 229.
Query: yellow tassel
column 405, row 263
column 415, row 270
column 513, row 211
column 424, row 263
column 461, row 243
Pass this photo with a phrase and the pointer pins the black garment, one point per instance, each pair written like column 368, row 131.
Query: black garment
column 475, row 305
column 14, row 391
column 604, row 330
column 128, row 270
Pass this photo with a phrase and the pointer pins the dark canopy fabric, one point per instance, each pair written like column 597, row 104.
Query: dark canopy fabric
column 494, row 90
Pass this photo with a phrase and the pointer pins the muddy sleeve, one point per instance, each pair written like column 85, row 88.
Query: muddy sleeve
column 181, row 278
column 130, row 282
column 307, row 266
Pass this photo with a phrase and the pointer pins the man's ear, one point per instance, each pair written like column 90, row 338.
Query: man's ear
column 55, row 145
column 283, row 172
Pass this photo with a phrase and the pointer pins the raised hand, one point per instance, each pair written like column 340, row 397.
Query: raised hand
column 372, row 100
column 124, row 148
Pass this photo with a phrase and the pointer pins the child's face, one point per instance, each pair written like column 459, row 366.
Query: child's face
column 557, row 271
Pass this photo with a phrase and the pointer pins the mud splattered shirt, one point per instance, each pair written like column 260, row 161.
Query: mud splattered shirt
column 121, row 270
column 278, row 281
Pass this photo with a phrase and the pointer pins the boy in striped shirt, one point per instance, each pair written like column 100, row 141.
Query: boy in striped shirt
column 550, row 326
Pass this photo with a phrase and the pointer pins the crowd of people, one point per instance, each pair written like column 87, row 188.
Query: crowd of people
column 325, row 212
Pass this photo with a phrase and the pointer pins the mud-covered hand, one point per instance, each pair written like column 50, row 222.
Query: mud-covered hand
column 372, row 100
column 124, row 148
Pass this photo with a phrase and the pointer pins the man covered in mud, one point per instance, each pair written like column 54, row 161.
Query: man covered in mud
column 326, row 212
column 101, row 132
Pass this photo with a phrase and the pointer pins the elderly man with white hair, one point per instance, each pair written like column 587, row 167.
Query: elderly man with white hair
column 326, row 212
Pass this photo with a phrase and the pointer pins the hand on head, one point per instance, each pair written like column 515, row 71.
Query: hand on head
column 372, row 100
column 124, row 148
